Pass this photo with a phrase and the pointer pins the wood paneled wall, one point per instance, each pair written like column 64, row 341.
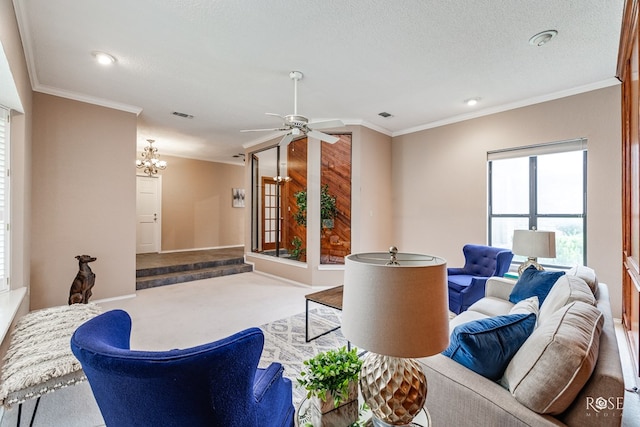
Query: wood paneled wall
column 628, row 70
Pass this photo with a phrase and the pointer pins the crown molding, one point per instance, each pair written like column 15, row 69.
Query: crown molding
column 88, row 99
column 512, row 106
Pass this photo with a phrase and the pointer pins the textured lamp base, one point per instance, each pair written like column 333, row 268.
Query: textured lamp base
column 394, row 388
column 528, row 263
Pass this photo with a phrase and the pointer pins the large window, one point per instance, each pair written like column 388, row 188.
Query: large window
column 543, row 187
column 4, row 199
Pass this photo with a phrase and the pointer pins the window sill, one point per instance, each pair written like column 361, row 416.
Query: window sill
column 10, row 301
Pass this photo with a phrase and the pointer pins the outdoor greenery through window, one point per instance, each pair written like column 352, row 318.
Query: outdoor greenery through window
column 543, row 187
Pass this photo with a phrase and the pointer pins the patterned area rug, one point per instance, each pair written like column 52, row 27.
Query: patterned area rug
column 285, row 342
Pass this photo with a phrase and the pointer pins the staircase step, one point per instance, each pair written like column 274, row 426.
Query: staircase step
column 188, row 275
column 200, row 265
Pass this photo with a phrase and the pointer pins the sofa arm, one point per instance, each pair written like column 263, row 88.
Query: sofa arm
column 480, row 402
column 499, row 287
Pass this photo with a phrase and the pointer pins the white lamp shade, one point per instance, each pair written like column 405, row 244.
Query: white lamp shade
column 534, row 243
column 396, row 310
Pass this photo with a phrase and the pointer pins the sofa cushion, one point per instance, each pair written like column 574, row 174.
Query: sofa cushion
column 487, row 345
column 551, row 367
column 587, row 274
column 533, row 282
column 464, row 317
column 492, row 306
column 566, row 289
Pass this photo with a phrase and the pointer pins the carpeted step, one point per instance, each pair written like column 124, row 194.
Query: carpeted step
column 187, row 267
column 188, row 275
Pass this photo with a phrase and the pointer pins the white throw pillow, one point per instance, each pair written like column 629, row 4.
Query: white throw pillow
column 526, row 306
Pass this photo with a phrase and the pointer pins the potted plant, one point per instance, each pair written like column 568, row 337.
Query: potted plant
column 296, row 248
column 331, row 378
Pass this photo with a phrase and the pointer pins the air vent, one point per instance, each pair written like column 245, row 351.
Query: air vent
column 385, row 114
column 183, row 115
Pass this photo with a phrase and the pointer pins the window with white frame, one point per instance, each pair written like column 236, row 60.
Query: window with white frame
column 4, row 199
column 545, row 187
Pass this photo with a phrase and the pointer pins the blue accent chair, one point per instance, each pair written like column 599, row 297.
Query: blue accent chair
column 466, row 284
column 215, row 384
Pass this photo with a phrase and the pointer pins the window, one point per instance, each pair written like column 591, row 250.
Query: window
column 4, row 199
column 543, row 187
column 279, row 200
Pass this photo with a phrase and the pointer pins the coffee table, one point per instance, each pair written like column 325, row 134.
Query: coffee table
column 331, row 297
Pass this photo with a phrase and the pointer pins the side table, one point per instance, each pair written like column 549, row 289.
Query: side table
column 331, row 297
column 307, row 415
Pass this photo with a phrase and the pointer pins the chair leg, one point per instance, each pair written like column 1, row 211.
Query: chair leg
column 33, row 416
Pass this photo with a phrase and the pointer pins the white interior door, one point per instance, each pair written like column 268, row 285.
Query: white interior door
column 148, row 203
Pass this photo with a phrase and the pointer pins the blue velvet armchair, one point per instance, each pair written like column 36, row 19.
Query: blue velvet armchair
column 215, row 384
column 466, row 284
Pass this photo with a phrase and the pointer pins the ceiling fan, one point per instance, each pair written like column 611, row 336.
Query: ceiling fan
column 295, row 124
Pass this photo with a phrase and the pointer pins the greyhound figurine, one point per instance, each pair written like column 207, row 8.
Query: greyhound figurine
column 80, row 291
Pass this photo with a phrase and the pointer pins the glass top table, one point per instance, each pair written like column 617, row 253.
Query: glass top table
column 308, row 415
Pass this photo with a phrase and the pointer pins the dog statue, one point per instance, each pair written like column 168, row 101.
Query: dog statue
column 80, row 291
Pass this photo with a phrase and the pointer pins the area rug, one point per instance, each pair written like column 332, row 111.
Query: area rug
column 285, row 343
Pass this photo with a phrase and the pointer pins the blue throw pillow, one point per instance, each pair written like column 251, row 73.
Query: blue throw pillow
column 534, row 282
column 486, row 346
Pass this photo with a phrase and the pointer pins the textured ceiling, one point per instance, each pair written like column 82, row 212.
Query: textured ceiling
column 227, row 62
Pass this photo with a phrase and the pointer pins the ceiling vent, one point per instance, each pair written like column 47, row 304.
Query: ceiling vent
column 183, row 115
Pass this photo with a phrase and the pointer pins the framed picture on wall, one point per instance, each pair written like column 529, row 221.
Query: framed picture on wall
column 238, row 197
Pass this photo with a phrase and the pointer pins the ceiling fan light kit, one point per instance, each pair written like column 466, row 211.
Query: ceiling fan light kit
column 296, row 124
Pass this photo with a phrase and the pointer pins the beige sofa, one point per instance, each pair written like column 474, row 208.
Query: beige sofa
column 543, row 385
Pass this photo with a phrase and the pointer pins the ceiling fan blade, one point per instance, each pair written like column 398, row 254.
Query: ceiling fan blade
column 323, row 136
column 264, row 130
column 325, row 124
column 275, row 115
column 286, row 140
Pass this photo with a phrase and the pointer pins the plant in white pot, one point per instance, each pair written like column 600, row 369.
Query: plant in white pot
column 331, row 378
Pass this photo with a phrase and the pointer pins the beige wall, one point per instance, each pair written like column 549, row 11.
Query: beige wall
column 196, row 204
column 440, row 177
column 370, row 209
column 83, row 189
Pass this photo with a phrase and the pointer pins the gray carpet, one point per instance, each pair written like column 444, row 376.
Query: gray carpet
column 74, row 406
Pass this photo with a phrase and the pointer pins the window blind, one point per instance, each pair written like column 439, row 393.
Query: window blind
column 4, row 198
column 579, row 144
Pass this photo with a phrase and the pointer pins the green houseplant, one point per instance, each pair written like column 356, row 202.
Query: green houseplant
column 332, row 376
column 328, row 208
column 297, row 250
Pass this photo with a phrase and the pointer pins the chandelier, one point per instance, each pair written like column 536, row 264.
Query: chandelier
column 150, row 160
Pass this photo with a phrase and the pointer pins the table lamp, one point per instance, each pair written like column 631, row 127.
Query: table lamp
column 533, row 244
column 395, row 307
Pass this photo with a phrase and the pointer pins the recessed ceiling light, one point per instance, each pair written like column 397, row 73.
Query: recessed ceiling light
column 471, row 101
column 385, row 114
column 103, row 58
column 542, row 38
